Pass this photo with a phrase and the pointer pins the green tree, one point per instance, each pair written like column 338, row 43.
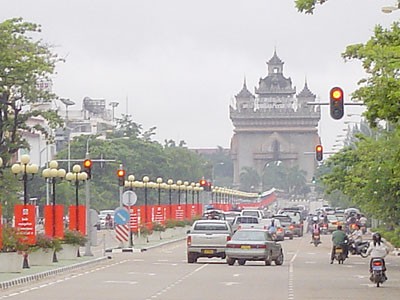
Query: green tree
column 380, row 91
column 307, row 6
column 249, row 179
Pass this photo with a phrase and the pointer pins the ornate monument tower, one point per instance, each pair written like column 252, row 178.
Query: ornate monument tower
column 275, row 124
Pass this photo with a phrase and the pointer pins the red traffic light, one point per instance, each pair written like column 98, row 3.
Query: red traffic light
column 121, row 173
column 87, row 163
column 319, row 152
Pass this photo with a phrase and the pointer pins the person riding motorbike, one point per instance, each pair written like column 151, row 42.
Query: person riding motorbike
column 356, row 235
column 272, row 229
column 339, row 238
column 377, row 249
column 315, row 229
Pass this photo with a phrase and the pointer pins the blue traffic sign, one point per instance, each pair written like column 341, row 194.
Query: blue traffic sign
column 121, row 216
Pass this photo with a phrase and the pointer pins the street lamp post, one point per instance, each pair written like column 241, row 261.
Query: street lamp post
column 170, row 182
column 51, row 174
column 76, row 176
column 26, row 169
column 179, row 183
column 159, row 181
column 145, row 182
column 193, row 185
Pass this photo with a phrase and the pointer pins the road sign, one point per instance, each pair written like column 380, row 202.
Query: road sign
column 129, row 198
column 121, row 216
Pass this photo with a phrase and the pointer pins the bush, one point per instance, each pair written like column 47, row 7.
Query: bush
column 74, row 237
column 12, row 240
column 46, row 243
column 392, row 236
column 158, row 226
column 144, row 230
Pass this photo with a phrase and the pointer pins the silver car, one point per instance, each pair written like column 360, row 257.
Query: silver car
column 253, row 245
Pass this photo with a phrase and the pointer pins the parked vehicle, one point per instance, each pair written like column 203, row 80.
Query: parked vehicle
column 207, row 238
column 253, row 245
column 378, row 275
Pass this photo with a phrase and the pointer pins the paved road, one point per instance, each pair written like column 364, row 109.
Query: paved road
column 163, row 273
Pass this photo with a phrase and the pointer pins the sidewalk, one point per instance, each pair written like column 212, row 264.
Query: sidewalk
column 107, row 244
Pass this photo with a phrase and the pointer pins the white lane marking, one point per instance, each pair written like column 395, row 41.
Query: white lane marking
column 141, row 273
column 310, row 262
column 230, row 283
column 121, row 282
column 163, row 263
column 290, row 282
column 236, row 275
column 159, row 293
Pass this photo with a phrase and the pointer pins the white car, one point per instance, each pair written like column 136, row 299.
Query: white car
column 103, row 223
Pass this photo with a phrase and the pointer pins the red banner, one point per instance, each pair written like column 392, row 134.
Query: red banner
column 159, row 213
column 1, row 228
column 178, row 212
column 191, row 211
column 54, row 220
column 135, row 217
column 25, row 217
column 77, row 218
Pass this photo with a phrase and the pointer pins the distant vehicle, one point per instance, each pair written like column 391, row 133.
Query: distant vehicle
column 207, row 238
column 214, row 214
column 333, row 223
column 287, row 225
column 231, row 215
column 252, row 212
column 253, row 245
column 297, row 221
column 280, row 231
column 241, row 222
column 106, row 219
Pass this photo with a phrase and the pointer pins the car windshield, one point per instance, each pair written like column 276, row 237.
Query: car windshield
column 244, row 235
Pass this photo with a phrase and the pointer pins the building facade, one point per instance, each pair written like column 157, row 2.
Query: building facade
column 274, row 124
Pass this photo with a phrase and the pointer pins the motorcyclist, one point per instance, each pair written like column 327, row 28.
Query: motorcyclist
column 339, row 238
column 377, row 249
column 356, row 235
column 272, row 229
column 315, row 229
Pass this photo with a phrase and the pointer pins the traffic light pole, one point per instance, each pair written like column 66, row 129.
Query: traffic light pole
column 89, row 227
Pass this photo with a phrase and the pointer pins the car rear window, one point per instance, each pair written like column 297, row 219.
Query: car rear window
column 244, row 235
column 246, row 220
column 252, row 213
column 211, row 227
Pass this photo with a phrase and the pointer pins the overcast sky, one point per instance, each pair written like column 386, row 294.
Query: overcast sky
column 177, row 64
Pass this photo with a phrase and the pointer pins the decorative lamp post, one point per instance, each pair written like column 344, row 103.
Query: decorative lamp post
column 145, row 183
column 159, row 181
column 198, row 189
column 186, row 184
column 170, row 184
column 25, row 168
column 179, row 183
column 130, row 182
column 51, row 174
column 192, row 185
column 75, row 177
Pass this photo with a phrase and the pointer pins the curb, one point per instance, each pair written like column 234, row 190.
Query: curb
column 35, row 277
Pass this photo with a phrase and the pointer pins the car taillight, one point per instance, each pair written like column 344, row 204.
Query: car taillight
column 189, row 240
column 377, row 263
column 228, row 238
column 279, row 230
column 239, row 227
column 259, row 246
column 232, row 246
column 291, row 227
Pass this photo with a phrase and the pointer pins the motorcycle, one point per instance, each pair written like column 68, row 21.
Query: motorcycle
column 378, row 276
column 340, row 253
column 359, row 249
column 316, row 239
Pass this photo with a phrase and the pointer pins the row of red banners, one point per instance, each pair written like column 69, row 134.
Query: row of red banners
column 54, row 225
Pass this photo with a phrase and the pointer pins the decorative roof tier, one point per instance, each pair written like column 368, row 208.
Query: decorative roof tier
column 306, row 93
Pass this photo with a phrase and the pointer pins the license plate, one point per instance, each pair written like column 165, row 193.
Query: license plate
column 339, row 250
column 245, row 247
column 208, row 251
column 377, row 268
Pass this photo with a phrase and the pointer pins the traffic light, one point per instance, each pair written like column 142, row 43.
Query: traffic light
column 319, row 152
column 87, row 165
column 336, row 103
column 206, row 185
column 121, row 177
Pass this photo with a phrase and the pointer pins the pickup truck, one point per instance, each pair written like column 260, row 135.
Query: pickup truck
column 207, row 238
column 247, row 222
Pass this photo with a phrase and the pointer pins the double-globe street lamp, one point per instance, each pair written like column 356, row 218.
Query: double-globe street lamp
column 51, row 174
column 75, row 177
column 146, row 180
column 27, row 171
